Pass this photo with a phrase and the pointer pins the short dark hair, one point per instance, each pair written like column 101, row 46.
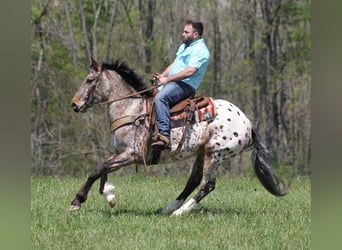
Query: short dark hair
column 198, row 26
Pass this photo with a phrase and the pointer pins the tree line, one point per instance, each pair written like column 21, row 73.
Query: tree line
column 260, row 61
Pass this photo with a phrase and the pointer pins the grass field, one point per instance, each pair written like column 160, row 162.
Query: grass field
column 239, row 214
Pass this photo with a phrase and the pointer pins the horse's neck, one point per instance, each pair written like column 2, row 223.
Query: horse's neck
column 129, row 106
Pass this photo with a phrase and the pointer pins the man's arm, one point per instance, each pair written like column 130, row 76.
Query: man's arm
column 188, row 72
column 165, row 73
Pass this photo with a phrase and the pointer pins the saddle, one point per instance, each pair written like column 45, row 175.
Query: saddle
column 195, row 109
column 185, row 113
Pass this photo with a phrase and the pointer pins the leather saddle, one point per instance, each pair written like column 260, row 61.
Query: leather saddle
column 199, row 102
column 186, row 112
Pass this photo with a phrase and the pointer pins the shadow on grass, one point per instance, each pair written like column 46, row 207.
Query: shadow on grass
column 198, row 211
column 217, row 211
column 110, row 213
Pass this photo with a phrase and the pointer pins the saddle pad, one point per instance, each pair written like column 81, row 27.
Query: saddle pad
column 204, row 113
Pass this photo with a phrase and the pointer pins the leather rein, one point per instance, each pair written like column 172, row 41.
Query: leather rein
column 128, row 96
column 127, row 119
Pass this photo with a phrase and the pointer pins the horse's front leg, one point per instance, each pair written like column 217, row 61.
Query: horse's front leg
column 82, row 194
column 107, row 190
column 112, row 164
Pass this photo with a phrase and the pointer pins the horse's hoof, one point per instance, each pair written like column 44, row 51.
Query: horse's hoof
column 179, row 213
column 172, row 207
column 111, row 200
column 165, row 211
column 112, row 203
column 74, row 208
column 176, row 214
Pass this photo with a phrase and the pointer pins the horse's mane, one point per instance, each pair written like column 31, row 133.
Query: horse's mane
column 130, row 77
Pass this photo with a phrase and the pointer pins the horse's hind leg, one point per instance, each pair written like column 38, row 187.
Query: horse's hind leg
column 208, row 185
column 193, row 181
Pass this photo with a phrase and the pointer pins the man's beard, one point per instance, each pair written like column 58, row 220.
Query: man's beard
column 188, row 41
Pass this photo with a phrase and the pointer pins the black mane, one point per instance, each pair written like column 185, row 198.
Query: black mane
column 130, row 77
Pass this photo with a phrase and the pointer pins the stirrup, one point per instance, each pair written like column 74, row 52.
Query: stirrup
column 161, row 142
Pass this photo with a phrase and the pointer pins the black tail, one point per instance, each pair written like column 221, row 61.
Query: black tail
column 263, row 171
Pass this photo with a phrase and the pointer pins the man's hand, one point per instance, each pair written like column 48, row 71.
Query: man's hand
column 158, row 79
column 155, row 79
column 163, row 80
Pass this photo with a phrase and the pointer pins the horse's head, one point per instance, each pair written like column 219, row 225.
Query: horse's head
column 91, row 90
column 106, row 81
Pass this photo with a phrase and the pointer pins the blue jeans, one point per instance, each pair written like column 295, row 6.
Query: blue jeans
column 171, row 94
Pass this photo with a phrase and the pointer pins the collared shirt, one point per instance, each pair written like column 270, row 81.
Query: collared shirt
column 195, row 55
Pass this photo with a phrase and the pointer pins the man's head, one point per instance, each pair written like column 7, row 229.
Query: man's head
column 192, row 31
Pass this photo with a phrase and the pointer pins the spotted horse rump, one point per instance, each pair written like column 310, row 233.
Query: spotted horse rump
column 230, row 130
column 211, row 141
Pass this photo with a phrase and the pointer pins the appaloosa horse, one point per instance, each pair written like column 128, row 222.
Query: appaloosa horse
column 211, row 142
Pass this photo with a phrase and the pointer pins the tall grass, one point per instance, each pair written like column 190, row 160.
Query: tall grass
column 239, row 214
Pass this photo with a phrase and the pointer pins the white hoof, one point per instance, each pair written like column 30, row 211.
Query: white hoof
column 179, row 212
column 74, row 208
column 108, row 193
column 172, row 207
column 111, row 200
column 185, row 209
column 176, row 214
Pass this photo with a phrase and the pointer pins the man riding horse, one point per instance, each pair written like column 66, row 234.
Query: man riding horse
column 228, row 133
column 180, row 79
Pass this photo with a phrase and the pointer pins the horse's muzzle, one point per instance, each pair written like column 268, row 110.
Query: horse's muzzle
column 77, row 109
column 74, row 107
column 81, row 109
column 78, row 106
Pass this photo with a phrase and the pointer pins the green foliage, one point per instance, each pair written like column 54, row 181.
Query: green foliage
column 239, row 214
column 35, row 12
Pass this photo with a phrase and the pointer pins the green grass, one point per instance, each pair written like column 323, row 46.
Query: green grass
column 239, row 214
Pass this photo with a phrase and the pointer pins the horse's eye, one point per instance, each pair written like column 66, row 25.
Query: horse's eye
column 89, row 80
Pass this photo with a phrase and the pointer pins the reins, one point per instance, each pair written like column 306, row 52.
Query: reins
column 128, row 96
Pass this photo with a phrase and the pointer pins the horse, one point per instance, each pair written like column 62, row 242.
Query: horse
column 128, row 98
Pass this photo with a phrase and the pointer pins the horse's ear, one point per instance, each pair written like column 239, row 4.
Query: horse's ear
column 95, row 65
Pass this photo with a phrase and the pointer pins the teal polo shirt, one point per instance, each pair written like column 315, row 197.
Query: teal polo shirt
column 195, row 55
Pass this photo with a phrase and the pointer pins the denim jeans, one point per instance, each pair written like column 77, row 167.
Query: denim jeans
column 171, row 94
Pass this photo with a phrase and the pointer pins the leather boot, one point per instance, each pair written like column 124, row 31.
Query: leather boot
column 161, row 142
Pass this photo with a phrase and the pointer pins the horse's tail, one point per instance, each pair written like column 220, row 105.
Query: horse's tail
column 263, row 171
